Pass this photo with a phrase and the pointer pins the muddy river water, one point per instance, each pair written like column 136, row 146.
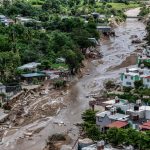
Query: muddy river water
column 115, row 51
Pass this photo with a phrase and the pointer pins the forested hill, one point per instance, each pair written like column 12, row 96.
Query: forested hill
column 52, row 29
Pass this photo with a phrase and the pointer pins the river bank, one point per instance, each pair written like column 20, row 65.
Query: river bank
column 115, row 51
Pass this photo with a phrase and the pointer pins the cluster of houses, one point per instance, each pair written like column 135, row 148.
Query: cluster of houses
column 120, row 113
column 139, row 73
column 22, row 20
column 32, row 72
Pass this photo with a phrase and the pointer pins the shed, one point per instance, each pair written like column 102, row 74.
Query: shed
column 32, row 75
column 104, row 29
column 29, row 66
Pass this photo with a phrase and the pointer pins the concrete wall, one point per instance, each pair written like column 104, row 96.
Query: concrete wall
column 101, row 122
column 126, row 81
column 146, row 82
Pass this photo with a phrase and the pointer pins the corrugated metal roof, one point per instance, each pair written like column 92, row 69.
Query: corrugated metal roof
column 29, row 75
column 29, row 65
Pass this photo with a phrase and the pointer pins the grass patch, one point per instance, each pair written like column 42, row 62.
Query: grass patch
column 60, row 65
column 120, row 6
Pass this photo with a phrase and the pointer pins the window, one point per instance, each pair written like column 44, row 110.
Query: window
column 125, row 77
column 148, row 80
column 131, row 78
column 128, row 83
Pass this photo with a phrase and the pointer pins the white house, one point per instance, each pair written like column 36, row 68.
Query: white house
column 139, row 112
column 131, row 75
column 146, row 81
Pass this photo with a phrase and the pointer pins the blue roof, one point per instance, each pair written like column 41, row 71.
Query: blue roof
column 30, row 75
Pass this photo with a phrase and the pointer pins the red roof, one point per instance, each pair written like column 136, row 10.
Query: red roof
column 145, row 125
column 117, row 124
column 147, row 77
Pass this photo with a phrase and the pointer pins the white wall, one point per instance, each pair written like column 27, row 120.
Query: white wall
column 102, row 121
column 128, row 80
column 146, row 82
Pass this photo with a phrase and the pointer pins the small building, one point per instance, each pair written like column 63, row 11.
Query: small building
column 60, row 60
column 139, row 113
column 100, row 145
column 146, row 81
column 131, row 75
column 2, row 17
column 6, row 21
column 23, row 20
column 94, row 41
column 107, row 117
column 142, row 59
column 30, row 66
column 2, row 89
column 104, row 29
column 30, row 77
column 145, row 126
column 118, row 124
column 119, row 104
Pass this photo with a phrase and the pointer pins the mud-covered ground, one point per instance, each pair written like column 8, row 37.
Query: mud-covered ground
column 118, row 53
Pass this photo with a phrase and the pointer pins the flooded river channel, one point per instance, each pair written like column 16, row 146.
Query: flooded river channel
column 118, row 53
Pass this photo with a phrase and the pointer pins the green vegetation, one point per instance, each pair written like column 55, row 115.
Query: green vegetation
column 57, row 30
column 129, row 137
column 144, row 11
column 120, row 6
column 138, row 84
column 89, row 125
column 126, row 95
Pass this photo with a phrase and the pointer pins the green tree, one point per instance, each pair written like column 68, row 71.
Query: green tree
column 89, row 116
column 138, row 84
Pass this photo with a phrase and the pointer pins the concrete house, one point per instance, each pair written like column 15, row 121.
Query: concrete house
column 135, row 74
column 146, row 81
column 103, row 119
column 129, row 77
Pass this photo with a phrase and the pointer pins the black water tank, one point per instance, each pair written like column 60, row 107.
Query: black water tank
column 136, row 108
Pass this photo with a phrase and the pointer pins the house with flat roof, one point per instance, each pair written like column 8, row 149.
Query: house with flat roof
column 30, row 77
column 131, row 75
column 107, row 117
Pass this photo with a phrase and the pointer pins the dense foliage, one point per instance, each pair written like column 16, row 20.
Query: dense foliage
column 58, row 30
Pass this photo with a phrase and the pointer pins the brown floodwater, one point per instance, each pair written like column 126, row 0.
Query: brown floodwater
column 118, row 53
